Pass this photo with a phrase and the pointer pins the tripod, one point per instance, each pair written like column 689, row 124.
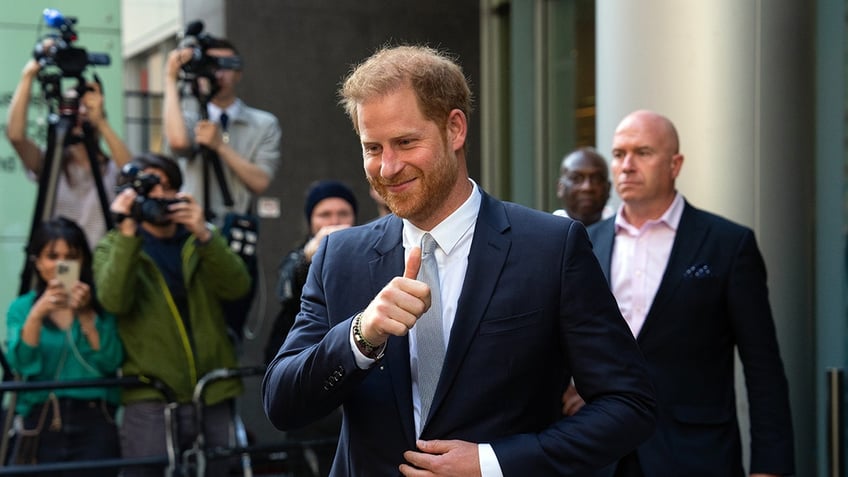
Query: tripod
column 240, row 230
column 210, row 158
column 62, row 117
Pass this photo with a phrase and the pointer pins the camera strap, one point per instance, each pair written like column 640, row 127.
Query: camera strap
column 211, row 159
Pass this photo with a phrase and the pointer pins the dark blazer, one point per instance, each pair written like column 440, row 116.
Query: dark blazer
column 534, row 311
column 712, row 298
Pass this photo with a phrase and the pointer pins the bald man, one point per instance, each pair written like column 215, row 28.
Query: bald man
column 692, row 287
column 584, row 187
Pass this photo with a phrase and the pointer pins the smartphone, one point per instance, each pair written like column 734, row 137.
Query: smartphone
column 68, row 273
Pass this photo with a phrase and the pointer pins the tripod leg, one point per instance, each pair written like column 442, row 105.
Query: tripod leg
column 93, row 151
column 213, row 159
column 45, row 202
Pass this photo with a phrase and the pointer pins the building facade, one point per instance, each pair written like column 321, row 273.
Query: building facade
column 756, row 89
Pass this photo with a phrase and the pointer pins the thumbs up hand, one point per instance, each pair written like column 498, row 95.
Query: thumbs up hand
column 394, row 311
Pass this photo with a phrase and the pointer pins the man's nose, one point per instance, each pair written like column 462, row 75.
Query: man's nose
column 627, row 162
column 390, row 163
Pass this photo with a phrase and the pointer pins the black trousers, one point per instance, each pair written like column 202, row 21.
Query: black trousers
column 81, row 430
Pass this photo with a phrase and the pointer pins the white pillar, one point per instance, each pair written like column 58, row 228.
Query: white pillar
column 735, row 78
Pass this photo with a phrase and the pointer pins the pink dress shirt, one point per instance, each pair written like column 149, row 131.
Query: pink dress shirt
column 639, row 258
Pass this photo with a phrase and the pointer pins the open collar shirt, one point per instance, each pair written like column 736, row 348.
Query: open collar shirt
column 639, row 259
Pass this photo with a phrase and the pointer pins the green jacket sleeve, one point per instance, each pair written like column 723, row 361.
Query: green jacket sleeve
column 223, row 272
column 115, row 261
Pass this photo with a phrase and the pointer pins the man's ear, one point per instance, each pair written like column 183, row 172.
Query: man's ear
column 676, row 165
column 457, row 126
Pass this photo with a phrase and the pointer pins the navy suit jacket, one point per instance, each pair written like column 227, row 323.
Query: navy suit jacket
column 712, row 298
column 534, row 311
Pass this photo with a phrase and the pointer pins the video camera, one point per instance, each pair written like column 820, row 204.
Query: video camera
column 147, row 209
column 57, row 48
column 202, row 65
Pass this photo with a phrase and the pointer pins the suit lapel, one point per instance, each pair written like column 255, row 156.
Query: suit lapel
column 688, row 240
column 389, row 264
column 489, row 250
column 602, row 236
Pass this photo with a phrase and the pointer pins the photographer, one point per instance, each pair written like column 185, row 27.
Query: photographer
column 163, row 272
column 76, row 191
column 247, row 140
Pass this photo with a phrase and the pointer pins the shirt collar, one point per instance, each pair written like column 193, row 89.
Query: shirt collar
column 671, row 216
column 448, row 232
column 233, row 110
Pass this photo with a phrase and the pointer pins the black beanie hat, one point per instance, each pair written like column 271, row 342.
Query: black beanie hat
column 323, row 190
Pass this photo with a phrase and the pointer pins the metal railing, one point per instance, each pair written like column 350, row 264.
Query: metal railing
column 40, row 469
column 176, row 462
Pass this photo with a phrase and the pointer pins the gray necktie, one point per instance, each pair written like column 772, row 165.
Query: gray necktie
column 428, row 329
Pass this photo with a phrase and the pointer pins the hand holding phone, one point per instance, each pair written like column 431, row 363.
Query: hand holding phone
column 68, row 273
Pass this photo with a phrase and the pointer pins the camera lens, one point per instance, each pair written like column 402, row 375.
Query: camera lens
column 155, row 211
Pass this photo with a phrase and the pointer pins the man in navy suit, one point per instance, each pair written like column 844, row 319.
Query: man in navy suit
column 524, row 304
column 692, row 287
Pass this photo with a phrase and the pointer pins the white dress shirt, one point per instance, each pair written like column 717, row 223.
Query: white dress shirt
column 606, row 213
column 215, row 112
column 453, row 237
